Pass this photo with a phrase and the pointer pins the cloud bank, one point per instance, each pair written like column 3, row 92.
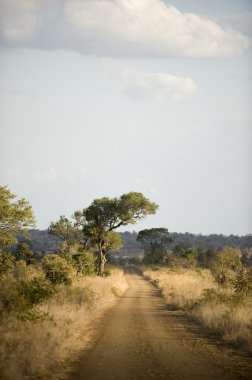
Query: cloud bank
column 159, row 87
column 116, row 28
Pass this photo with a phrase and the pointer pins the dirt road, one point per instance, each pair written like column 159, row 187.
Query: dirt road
column 141, row 339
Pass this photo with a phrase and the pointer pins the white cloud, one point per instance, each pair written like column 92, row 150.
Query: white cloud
column 241, row 21
column 17, row 19
column 160, row 87
column 147, row 28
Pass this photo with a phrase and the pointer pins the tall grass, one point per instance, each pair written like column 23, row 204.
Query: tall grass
column 218, row 308
column 44, row 342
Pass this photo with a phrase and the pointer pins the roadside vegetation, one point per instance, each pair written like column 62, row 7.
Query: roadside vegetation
column 49, row 304
column 215, row 290
column 48, row 315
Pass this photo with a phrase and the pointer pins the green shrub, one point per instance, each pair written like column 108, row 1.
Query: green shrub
column 35, row 290
column 85, row 263
column 57, row 270
column 6, row 262
column 225, row 265
column 17, row 295
column 23, row 252
column 9, row 296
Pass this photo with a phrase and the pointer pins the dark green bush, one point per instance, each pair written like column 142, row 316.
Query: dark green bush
column 35, row 290
column 57, row 270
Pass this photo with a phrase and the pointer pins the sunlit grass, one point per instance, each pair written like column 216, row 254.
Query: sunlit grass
column 196, row 292
column 44, row 348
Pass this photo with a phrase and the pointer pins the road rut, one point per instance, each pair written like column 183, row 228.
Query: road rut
column 141, row 339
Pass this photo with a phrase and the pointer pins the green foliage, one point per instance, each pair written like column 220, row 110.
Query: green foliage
column 154, row 242
column 154, row 256
column 225, row 265
column 190, row 255
column 35, row 290
column 15, row 217
column 85, row 263
column 57, row 270
column 6, row 262
column 23, row 252
column 21, row 288
column 10, row 299
column 66, row 231
column 104, row 215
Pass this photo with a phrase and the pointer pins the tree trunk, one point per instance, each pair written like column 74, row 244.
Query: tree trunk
column 101, row 261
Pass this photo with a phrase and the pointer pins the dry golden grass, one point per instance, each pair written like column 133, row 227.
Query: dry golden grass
column 46, row 349
column 181, row 288
column 196, row 292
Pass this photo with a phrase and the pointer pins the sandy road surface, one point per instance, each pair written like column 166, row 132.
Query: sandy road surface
column 140, row 339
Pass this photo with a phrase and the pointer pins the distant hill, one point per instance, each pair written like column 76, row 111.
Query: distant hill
column 41, row 241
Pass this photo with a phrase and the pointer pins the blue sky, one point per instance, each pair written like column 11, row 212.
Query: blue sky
column 99, row 98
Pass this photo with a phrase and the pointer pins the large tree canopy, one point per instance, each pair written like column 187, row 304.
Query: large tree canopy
column 104, row 215
column 154, row 242
column 15, row 217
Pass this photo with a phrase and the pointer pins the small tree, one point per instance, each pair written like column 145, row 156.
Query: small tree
column 15, row 218
column 23, row 252
column 66, row 231
column 154, row 242
column 105, row 215
column 190, row 256
column 226, row 264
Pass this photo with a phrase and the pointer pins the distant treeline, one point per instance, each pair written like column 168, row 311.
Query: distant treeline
column 42, row 241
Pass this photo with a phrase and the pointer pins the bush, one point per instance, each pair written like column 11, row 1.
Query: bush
column 19, row 294
column 6, row 262
column 225, row 265
column 85, row 263
column 35, row 290
column 57, row 270
column 243, row 281
column 23, row 252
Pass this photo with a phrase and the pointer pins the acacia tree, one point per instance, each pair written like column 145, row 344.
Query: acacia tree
column 154, row 241
column 105, row 215
column 15, row 217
